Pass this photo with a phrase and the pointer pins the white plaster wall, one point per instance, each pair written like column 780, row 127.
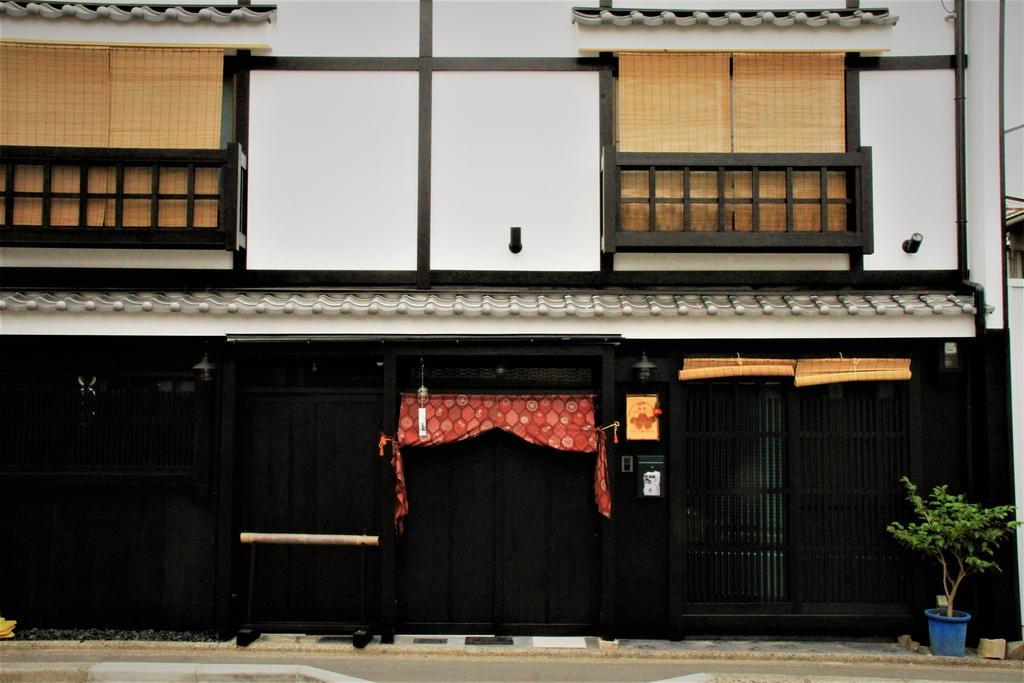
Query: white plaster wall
column 691, row 327
column 1014, row 100
column 504, row 28
column 743, row 261
column 984, row 202
column 515, row 149
column 345, row 28
column 1016, row 316
column 333, row 170
column 922, row 28
column 907, row 119
column 15, row 257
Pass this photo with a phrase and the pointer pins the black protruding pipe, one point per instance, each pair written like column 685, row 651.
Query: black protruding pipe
column 960, row 126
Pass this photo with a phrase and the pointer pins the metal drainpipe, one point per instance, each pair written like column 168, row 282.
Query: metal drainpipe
column 960, row 128
column 976, row 362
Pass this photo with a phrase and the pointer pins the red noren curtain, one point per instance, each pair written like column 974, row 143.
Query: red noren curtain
column 564, row 422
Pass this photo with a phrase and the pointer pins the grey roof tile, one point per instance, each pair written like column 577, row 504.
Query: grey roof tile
column 813, row 18
column 499, row 305
column 90, row 11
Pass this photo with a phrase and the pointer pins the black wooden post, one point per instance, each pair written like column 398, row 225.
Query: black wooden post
column 388, row 539
column 225, row 486
column 607, row 415
column 677, row 512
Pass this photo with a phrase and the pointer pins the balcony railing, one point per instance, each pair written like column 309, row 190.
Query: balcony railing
column 737, row 202
column 102, row 197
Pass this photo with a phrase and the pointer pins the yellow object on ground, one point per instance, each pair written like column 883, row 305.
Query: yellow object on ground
column 7, row 628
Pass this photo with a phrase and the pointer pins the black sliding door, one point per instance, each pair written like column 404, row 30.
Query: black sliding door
column 502, row 537
column 787, row 493
column 307, row 463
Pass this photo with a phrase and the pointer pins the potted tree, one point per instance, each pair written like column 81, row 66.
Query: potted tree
column 962, row 537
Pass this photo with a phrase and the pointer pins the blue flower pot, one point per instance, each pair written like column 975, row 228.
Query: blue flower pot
column 947, row 635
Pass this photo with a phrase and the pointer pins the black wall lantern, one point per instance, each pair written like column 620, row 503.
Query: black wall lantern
column 644, row 367
column 204, row 368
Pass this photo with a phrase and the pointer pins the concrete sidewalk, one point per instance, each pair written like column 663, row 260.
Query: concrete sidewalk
column 452, row 658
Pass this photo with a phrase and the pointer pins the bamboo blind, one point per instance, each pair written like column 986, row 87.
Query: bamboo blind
column 674, row 102
column 166, row 98
column 814, row 371
column 95, row 96
column 54, row 96
column 688, row 102
column 789, row 102
column 714, row 368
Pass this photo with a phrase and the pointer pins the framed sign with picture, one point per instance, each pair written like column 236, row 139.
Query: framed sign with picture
column 642, row 417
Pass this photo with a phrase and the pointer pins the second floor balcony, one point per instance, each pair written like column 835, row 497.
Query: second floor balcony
column 106, row 197
column 737, row 202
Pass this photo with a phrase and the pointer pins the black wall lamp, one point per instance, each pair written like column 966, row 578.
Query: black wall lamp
column 515, row 240
column 913, row 244
column 644, row 367
column 204, row 368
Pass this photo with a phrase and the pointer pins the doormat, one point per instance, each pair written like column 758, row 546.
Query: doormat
column 429, row 641
column 333, row 639
column 488, row 640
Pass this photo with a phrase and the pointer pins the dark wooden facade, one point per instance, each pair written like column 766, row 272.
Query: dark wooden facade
column 773, row 520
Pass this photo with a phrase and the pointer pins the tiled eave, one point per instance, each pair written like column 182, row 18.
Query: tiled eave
column 476, row 304
column 215, row 14
column 825, row 18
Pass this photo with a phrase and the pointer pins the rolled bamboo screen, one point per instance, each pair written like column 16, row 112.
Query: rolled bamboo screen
column 788, row 102
column 815, row 371
column 674, row 102
column 96, row 96
column 714, row 368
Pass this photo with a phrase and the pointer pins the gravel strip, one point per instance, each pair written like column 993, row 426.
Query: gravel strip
column 84, row 634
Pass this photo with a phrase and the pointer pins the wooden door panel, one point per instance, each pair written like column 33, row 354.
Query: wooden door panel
column 308, row 464
column 501, row 536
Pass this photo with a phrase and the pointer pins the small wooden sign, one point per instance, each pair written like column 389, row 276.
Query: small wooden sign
column 642, row 417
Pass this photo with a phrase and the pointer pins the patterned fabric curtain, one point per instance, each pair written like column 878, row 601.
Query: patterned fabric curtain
column 563, row 422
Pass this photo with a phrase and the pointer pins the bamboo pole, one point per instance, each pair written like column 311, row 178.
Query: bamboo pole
column 307, row 539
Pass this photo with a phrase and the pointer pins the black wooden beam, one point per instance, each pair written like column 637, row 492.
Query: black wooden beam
column 128, row 279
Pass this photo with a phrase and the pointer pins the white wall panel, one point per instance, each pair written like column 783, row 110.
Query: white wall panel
column 515, row 149
column 1016, row 316
column 907, row 120
column 24, row 257
column 332, row 170
column 923, row 28
column 504, row 28
column 346, row 28
column 744, row 261
column 704, row 327
column 984, row 210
